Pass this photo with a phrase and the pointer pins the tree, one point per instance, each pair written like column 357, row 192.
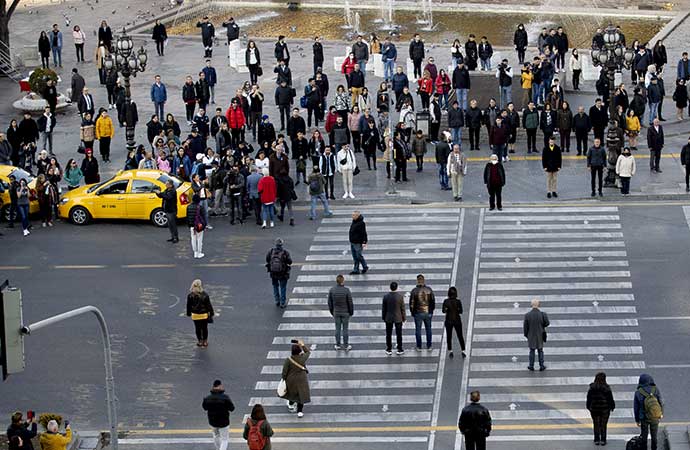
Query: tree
column 5, row 15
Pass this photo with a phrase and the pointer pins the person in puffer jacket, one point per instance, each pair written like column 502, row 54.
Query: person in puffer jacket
column 600, row 404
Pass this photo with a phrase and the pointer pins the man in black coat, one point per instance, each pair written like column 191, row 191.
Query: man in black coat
column 208, row 32
column 50, row 95
column 417, row 54
column 278, row 265
column 475, row 423
column 442, row 152
column 598, row 118
column 169, row 196
column 393, row 314
column 358, row 243
column 232, row 29
column 596, row 160
column 494, row 179
column 218, row 407
column 655, row 142
column 551, row 161
column 582, row 126
column 317, row 49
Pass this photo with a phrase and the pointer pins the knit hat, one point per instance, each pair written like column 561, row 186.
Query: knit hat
column 217, row 383
column 199, row 156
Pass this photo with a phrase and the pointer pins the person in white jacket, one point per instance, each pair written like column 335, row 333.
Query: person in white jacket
column 625, row 169
column 346, row 166
column 456, row 168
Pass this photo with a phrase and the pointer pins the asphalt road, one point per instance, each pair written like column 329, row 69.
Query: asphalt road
column 140, row 282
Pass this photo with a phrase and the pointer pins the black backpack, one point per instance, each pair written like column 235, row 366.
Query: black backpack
column 277, row 261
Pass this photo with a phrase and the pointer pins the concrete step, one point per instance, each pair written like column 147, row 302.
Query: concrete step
column 676, row 437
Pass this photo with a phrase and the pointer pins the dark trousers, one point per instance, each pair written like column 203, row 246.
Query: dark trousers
column 599, row 423
column 547, row 136
column 401, row 170
column 474, row 138
column 651, row 429
column 253, row 73
column 172, row 225
column 449, row 335
column 160, row 48
column 104, row 148
column 356, row 140
column 594, row 173
column 420, row 162
column 475, row 442
column 434, row 128
column 328, row 185
column 236, row 137
column 201, row 329
column 654, row 159
column 398, row 335
column 531, row 140
column 687, row 176
column 417, row 68
column 565, row 140
column 521, row 55
column 581, row 140
column 236, row 204
column 80, row 52
column 189, row 111
column 284, row 115
column 315, row 111
column 625, row 184
column 425, row 99
column 45, row 61
column 599, row 133
column 495, row 196
column 254, row 119
column 256, row 205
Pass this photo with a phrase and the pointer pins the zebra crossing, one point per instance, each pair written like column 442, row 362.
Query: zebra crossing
column 573, row 259
column 364, row 387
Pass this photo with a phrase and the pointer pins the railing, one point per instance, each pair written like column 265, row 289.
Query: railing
column 6, row 65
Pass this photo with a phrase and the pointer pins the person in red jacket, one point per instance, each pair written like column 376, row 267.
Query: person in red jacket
column 443, row 88
column 236, row 122
column 348, row 67
column 426, row 88
column 331, row 119
column 267, row 194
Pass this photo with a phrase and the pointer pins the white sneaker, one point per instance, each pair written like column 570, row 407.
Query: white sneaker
column 209, row 227
column 26, row 232
column 201, row 255
column 507, row 158
column 351, row 195
column 345, row 195
column 263, row 226
column 348, row 348
column 196, row 255
column 300, row 414
column 272, row 225
column 337, row 347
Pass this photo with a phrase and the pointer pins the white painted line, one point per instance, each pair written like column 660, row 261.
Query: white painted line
column 358, row 368
column 556, row 298
column 351, row 400
column 321, row 326
column 584, row 244
column 376, row 267
column 459, row 438
column 371, row 277
column 562, row 210
column 668, row 366
column 560, row 226
column 303, row 313
column 284, row 439
column 559, row 310
column 390, row 227
column 566, row 254
column 357, row 354
column 397, row 210
column 358, row 417
column 382, row 256
column 355, row 288
column 376, row 247
column 389, row 237
column 551, row 264
column 565, row 218
column 545, row 381
column 323, row 301
column 549, row 397
column 417, row 383
column 557, row 437
column 554, row 286
column 542, row 236
column 666, row 318
column 560, row 351
column 561, row 337
column 354, row 340
column 573, row 274
column 416, row 218
column 569, row 323
column 557, row 365
column 555, row 414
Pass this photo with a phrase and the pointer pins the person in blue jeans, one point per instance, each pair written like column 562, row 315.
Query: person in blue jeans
column 341, row 308
column 358, row 243
column 388, row 54
column 278, row 265
column 648, row 419
column 422, row 305
column 316, row 192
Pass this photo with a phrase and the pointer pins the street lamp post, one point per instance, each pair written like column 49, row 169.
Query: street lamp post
column 612, row 57
column 128, row 64
column 391, row 131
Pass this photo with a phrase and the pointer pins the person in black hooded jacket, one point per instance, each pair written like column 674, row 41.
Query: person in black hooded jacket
column 600, row 404
column 475, row 423
column 520, row 42
column 24, row 430
column 218, row 407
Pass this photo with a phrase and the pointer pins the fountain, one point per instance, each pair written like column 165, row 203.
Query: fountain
column 423, row 19
column 382, row 9
column 387, row 15
column 427, row 18
column 356, row 23
column 347, row 14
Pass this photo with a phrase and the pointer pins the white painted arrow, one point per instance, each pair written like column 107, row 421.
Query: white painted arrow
column 416, row 251
column 517, row 259
column 590, row 258
column 512, row 406
column 595, row 303
column 344, row 252
column 516, row 305
column 514, row 359
column 384, row 408
column 600, row 358
column 586, row 222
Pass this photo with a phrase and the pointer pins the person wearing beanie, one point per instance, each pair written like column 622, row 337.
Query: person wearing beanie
column 278, row 265
column 218, row 407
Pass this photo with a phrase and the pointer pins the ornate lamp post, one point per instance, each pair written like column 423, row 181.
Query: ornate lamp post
column 612, row 57
column 126, row 62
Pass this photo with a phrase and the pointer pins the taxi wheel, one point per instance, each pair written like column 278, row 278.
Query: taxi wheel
column 159, row 218
column 5, row 213
column 79, row 215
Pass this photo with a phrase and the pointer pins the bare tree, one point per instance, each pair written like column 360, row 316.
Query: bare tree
column 5, row 15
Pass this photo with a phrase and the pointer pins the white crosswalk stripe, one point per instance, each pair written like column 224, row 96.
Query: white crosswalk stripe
column 569, row 259
column 346, row 385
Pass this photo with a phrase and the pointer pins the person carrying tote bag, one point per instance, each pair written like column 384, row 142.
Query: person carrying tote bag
column 294, row 376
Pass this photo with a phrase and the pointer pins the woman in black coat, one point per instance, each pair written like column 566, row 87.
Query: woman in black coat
column 547, row 122
column 44, row 49
column 371, row 140
column 452, row 308
column 160, row 35
column 285, row 191
column 252, row 59
column 520, row 42
column 15, row 140
column 600, row 403
column 199, row 308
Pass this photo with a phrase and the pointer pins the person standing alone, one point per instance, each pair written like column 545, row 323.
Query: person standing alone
column 218, row 407
column 534, row 329
column 596, row 160
column 648, row 408
column 199, row 308
column 655, row 142
column 475, row 423
column 600, row 404
column 278, row 264
column 393, row 314
column 422, row 305
column 358, row 243
column 551, row 161
column 341, row 308
column 169, row 196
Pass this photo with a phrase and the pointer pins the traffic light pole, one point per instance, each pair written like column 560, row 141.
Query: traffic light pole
column 109, row 380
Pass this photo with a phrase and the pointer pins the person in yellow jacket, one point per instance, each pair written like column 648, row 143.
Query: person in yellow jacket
column 632, row 128
column 526, row 78
column 52, row 440
column 104, row 133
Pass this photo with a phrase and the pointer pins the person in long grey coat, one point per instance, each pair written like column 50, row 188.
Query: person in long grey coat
column 534, row 328
column 295, row 376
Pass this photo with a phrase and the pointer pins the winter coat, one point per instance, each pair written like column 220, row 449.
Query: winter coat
column 264, row 428
column 235, row 118
column 389, row 52
column 581, row 122
column 456, row 118
column 218, row 407
column 399, row 81
column 456, row 164
column 551, row 159
column 104, row 127
column 283, row 274
column 501, row 175
column 442, row 152
column 25, row 432
column 361, row 51
column 393, row 308
column 461, row 78
column 55, row 441
column 646, row 383
column 89, row 167
column 267, row 189
column 485, row 51
column 452, row 308
column 347, row 155
column 598, row 117
column 188, row 93
column 654, row 93
column 340, row 301
column 596, row 157
column 520, row 38
column 348, row 66
column 159, row 33
column 565, row 119
column 317, row 49
column 418, row 145
column 442, row 84
column 417, row 50
column 685, row 155
column 475, row 420
column 296, row 378
column 474, row 117
column 232, row 30
column 655, row 139
column 285, row 188
column 169, row 203
column 625, row 166
column 534, row 327
column 422, row 300
column 680, row 96
column 530, row 119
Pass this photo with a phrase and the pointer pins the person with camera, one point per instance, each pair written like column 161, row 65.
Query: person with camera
column 504, row 74
column 52, row 440
column 22, row 430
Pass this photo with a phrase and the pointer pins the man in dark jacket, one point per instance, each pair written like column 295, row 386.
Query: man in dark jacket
column 281, row 51
column 23, row 430
column 685, row 161
column 417, row 54
column 582, row 125
column 361, row 51
column 278, row 265
column 422, row 305
column 232, row 29
column 534, row 329
column 283, row 97
column 598, row 118
column 551, row 161
column 317, row 49
column 475, row 423
column 473, row 119
column 218, row 406
column 648, row 425
column 456, row 121
column 494, row 179
column 596, row 160
column 202, row 90
column 153, row 129
column 208, row 32
column 442, row 152
column 169, row 196
column 358, row 243
column 393, row 314
column 341, row 308
column 461, row 84
column 399, row 82
column 655, row 142
column 85, row 103
column 530, row 122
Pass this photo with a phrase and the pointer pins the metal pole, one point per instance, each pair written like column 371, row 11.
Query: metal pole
column 109, row 379
column 391, row 146
column 129, row 127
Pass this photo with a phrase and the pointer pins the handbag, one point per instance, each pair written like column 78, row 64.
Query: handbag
column 356, row 171
column 210, row 319
column 259, row 72
column 282, row 388
column 81, row 148
column 543, row 336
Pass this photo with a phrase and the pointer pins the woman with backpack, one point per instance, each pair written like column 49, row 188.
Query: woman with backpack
column 295, row 376
column 199, row 308
column 257, row 430
column 600, row 403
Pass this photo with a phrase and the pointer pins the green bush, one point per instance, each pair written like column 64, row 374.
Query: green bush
column 44, row 418
column 37, row 80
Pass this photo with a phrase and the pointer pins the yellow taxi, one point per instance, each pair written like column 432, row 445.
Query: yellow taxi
column 19, row 174
column 130, row 194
